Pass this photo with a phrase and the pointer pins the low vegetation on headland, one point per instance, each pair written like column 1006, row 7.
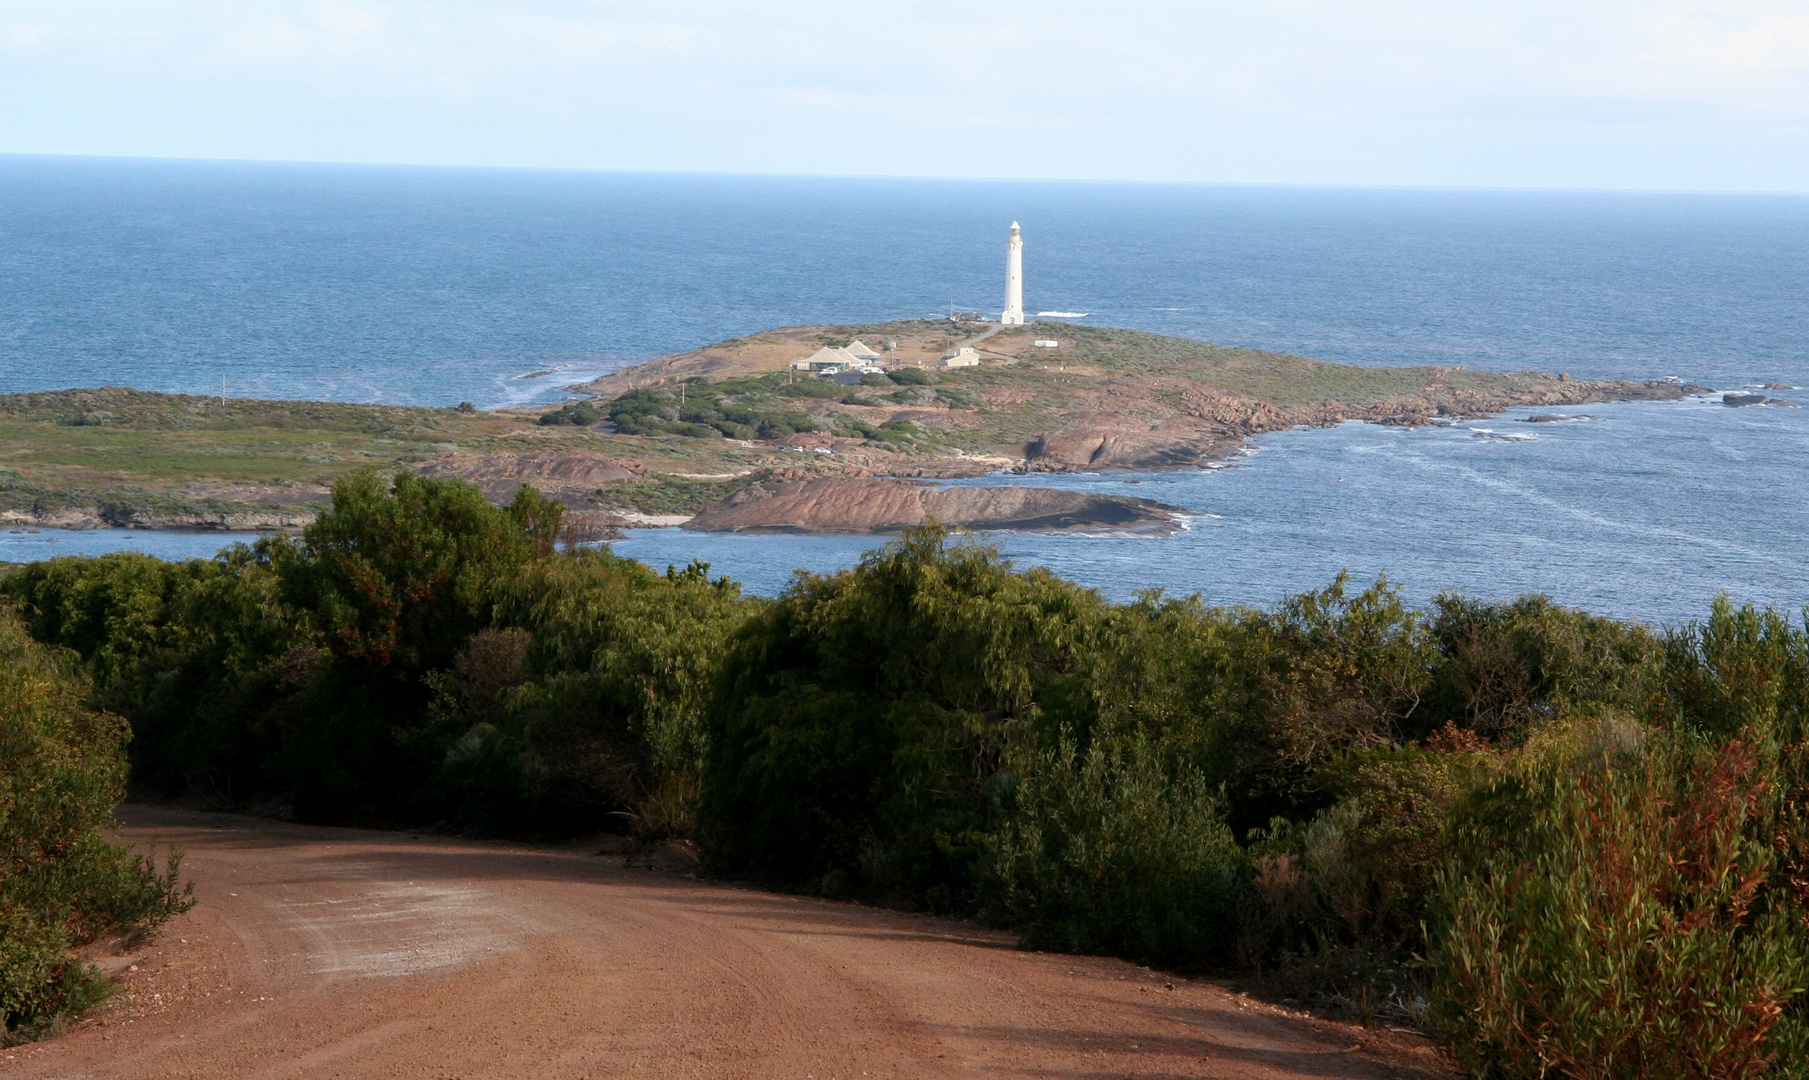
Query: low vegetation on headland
column 657, row 438
column 1564, row 844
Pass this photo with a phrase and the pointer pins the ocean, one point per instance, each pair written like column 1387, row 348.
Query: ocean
column 433, row 286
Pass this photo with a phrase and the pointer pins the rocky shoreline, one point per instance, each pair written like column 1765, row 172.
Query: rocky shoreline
column 1214, row 427
column 722, row 437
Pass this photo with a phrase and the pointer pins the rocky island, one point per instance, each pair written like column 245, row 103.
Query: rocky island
column 739, row 436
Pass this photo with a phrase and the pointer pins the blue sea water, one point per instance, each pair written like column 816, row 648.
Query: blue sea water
column 432, row 286
column 1493, row 507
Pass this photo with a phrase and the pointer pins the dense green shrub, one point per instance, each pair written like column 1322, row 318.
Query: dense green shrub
column 587, row 700
column 1353, row 885
column 1508, row 666
column 1115, row 851
column 184, row 650
column 578, row 413
column 862, row 719
column 62, row 772
column 295, row 670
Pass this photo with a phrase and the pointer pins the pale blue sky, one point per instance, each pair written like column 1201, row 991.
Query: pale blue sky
column 1543, row 93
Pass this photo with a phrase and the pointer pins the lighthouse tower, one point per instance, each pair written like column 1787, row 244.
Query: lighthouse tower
column 1014, row 279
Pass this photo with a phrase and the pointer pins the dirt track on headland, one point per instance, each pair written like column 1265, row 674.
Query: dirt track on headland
column 345, row 953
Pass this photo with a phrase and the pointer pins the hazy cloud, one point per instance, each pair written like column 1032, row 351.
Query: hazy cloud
column 1598, row 92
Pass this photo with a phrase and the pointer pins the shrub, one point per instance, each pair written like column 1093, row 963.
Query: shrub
column 1508, row 666
column 1275, row 704
column 587, row 701
column 862, row 717
column 62, row 771
column 398, row 579
column 166, row 645
column 579, row 413
column 1112, row 851
column 813, row 387
column 1604, row 915
column 665, row 495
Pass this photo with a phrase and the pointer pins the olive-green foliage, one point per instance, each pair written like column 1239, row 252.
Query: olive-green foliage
column 587, row 698
column 863, row 719
column 1508, row 666
column 186, row 650
column 1360, row 871
column 1116, row 851
column 736, row 408
column 665, row 495
column 578, row 413
column 391, row 582
column 1629, row 899
column 751, row 407
column 1619, row 925
column 62, row 772
column 294, row 668
column 867, row 721
column 416, row 654
column 397, row 579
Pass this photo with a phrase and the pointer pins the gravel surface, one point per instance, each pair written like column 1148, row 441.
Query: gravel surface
column 348, row 953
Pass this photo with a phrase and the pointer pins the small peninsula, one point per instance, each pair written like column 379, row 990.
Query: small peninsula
column 736, row 436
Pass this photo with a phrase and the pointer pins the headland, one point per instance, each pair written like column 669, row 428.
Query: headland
column 736, row 436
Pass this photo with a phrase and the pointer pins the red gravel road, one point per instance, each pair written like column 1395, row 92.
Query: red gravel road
column 347, row 953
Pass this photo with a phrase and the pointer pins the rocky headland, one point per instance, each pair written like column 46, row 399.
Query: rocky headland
column 728, row 432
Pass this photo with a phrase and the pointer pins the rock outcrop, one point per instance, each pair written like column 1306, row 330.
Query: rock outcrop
column 1102, row 440
column 878, row 506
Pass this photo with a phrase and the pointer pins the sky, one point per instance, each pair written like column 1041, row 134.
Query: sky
column 1508, row 93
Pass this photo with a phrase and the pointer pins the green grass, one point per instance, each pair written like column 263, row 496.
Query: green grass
column 178, row 437
column 133, row 449
column 1276, row 378
column 666, row 495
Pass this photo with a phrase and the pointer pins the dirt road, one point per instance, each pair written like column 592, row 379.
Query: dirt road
column 345, row 953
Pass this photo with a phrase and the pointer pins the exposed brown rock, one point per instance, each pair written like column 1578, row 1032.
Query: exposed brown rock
column 873, row 506
column 1102, row 440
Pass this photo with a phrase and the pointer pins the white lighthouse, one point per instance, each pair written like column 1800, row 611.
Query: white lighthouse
column 1014, row 279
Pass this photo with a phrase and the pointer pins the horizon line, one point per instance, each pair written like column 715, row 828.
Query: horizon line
column 920, row 177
